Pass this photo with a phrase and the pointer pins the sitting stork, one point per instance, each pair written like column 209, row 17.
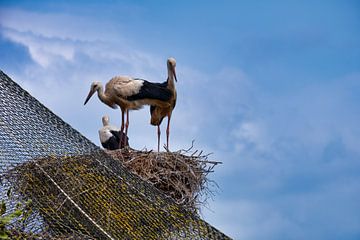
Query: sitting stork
column 111, row 137
column 159, row 112
column 130, row 94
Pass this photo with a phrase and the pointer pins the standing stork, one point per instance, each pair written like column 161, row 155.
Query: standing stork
column 111, row 137
column 130, row 94
column 159, row 112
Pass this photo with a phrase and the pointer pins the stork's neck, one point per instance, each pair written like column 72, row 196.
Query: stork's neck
column 103, row 97
column 171, row 79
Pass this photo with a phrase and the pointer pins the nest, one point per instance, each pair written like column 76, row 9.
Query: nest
column 181, row 175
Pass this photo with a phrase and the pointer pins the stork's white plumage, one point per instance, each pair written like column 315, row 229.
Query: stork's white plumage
column 159, row 112
column 130, row 94
column 111, row 136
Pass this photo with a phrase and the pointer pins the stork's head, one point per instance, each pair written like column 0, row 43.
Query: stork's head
column 105, row 120
column 95, row 86
column 171, row 64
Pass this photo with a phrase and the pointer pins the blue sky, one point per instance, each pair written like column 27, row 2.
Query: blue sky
column 271, row 88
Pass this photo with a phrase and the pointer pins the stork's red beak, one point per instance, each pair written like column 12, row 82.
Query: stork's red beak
column 92, row 91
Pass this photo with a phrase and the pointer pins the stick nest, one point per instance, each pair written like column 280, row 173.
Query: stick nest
column 181, row 175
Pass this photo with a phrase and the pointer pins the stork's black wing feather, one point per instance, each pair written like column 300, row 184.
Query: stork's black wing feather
column 116, row 134
column 111, row 144
column 152, row 91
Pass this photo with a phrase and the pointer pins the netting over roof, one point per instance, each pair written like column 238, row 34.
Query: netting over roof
column 77, row 190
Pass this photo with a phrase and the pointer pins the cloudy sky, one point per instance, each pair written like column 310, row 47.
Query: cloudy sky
column 271, row 88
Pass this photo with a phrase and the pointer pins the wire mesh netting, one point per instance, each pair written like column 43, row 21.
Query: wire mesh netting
column 77, row 191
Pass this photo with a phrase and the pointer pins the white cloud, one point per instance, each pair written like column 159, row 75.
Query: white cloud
column 251, row 133
column 43, row 51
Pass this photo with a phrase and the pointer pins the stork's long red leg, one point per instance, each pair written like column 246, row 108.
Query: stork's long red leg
column 126, row 127
column 158, row 132
column 122, row 127
column 168, row 131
